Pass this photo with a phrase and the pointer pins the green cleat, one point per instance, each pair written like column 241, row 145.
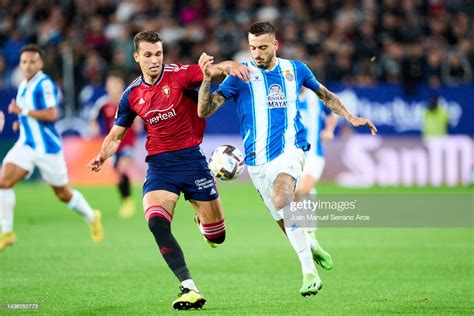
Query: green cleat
column 188, row 299
column 320, row 256
column 311, row 285
column 210, row 243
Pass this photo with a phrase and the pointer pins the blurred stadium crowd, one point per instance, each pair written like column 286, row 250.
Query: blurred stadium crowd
column 354, row 42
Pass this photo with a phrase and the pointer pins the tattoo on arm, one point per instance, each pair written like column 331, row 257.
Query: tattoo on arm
column 330, row 100
column 208, row 103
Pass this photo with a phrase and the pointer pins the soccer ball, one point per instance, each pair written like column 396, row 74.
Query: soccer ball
column 226, row 162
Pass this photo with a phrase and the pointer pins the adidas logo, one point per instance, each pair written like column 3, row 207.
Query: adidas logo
column 164, row 250
column 141, row 101
column 212, row 191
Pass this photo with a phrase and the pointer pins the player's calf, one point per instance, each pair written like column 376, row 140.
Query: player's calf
column 214, row 232
column 124, row 186
column 159, row 223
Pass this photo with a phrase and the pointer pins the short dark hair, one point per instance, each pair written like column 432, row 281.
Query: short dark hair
column 116, row 74
column 34, row 48
column 146, row 36
column 260, row 28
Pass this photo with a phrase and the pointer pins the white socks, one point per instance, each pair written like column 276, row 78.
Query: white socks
column 7, row 203
column 189, row 284
column 79, row 204
column 299, row 241
column 311, row 230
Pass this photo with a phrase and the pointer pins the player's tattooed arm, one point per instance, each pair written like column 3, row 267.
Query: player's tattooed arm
column 109, row 147
column 208, row 103
column 330, row 100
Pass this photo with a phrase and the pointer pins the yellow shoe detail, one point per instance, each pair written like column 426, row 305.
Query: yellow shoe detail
column 127, row 209
column 7, row 239
column 188, row 299
column 96, row 228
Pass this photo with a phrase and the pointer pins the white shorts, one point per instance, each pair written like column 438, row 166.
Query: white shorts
column 314, row 166
column 263, row 176
column 51, row 166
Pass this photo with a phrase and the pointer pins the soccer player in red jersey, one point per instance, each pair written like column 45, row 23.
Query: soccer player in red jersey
column 104, row 112
column 164, row 97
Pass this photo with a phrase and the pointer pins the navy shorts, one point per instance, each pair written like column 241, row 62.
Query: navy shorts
column 184, row 170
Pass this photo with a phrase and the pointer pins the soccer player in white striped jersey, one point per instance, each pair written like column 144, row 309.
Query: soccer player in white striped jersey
column 39, row 145
column 273, row 135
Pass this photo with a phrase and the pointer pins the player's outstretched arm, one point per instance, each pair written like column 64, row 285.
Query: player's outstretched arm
column 109, row 147
column 207, row 103
column 330, row 100
column 46, row 115
column 225, row 68
column 232, row 68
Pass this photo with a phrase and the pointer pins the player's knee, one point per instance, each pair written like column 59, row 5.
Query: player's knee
column 214, row 232
column 159, row 221
column 6, row 184
column 281, row 199
column 64, row 196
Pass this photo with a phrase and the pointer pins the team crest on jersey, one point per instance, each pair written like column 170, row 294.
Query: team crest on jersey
column 289, row 75
column 276, row 97
column 166, row 91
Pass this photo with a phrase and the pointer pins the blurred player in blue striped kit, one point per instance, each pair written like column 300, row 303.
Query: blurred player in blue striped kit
column 320, row 123
column 39, row 145
column 273, row 134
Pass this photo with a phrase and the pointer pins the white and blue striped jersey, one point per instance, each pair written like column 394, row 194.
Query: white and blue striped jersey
column 268, row 108
column 313, row 113
column 38, row 94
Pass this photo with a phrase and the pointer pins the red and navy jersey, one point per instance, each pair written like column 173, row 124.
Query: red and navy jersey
column 107, row 113
column 168, row 109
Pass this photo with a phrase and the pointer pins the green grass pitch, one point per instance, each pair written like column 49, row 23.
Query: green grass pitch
column 377, row 270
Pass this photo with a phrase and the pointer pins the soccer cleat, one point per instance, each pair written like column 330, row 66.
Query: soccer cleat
column 7, row 239
column 96, row 228
column 127, row 209
column 311, row 285
column 321, row 256
column 198, row 223
column 188, row 299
